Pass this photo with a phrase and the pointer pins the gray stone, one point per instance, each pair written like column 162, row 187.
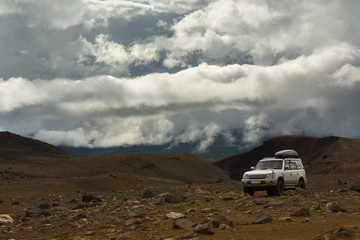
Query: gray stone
column 204, row 229
column 221, row 220
column 224, row 227
column 172, row 198
column 262, row 218
column 36, row 212
column 90, row 198
column 148, row 194
column 302, row 212
column 45, row 206
column 333, row 207
column 274, row 204
column 183, row 223
column 355, row 188
column 174, row 215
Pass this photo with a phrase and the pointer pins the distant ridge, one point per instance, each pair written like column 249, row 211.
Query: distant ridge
column 319, row 155
column 14, row 145
column 26, row 160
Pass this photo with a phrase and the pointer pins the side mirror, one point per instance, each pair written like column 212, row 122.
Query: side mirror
column 287, row 168
column 252, row 168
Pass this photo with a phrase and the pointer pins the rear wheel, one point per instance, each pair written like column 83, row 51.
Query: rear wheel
column 248, row 190
column 279, row 188
column 301, row 184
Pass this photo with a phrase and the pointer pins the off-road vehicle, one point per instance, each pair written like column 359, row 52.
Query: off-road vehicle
column 275, row 174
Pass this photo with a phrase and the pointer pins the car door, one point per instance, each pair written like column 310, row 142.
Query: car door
column 290, row 177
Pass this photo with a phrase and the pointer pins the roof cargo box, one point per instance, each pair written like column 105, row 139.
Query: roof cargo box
column 286, row 154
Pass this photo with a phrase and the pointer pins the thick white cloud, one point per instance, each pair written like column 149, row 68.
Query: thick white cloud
column 109, row 73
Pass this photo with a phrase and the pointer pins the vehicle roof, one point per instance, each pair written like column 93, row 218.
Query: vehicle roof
column 280, row 159
column 288, row 153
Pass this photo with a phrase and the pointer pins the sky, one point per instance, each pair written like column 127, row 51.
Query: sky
column 91, row 73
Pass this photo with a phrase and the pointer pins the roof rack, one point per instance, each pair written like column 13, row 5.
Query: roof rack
column 289, row 153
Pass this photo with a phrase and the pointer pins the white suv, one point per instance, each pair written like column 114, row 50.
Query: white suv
column 274, row 174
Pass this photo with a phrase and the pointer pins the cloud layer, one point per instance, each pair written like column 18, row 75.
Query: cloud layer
column 116, row 73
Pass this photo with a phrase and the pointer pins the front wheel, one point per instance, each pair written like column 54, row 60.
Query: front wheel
column 279, row 188
column 270, row 191
column 249, row 191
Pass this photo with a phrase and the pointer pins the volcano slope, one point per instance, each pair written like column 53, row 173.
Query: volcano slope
column 333, row 155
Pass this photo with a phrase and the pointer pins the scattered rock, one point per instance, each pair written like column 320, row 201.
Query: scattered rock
column 302, row 212
column 45, row 206
column 224, row 227
column 132, row 221
column 174, row 215
column 316, row 206
column 333, row 207
column 322, row 237
column 305, row 220
column 257, row 202
column 262, row 218
column 341, row 232
column 36, row 212
column 221, row 220
column 148, row 194
column 355, row 188
column 80, row 216
column 183, row 223
column 274, row 204
column 5, row 218
column 200, row 191
column 300, row 191
column 80, row 206
column 341, row 191
column 204, row 229
column 286, row 219
column 90, row 198
column 172, row 198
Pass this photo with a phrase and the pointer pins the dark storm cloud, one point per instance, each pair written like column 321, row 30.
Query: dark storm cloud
column 107, row 73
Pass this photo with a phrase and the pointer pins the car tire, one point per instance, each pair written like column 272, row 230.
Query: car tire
column 279, row 188
column 270, row 191
column 301, row 184
column 249, row 191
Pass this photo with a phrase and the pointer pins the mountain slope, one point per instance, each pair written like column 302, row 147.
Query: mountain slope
column 319, row 155
column 25, row 160
column 12, row 145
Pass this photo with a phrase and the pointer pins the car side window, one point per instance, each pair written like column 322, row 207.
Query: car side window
column 293, row 166
column 299, row 165
column 287, row 165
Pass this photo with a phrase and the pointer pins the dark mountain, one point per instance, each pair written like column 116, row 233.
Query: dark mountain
column 319, row 155
column 12, row 145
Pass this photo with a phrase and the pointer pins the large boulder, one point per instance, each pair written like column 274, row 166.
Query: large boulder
column 36, row 212
column 262, row 218
column 172, row 198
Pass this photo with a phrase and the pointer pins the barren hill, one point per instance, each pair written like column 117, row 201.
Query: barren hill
column 30, row 164
column 12, row 145
column 319, row 155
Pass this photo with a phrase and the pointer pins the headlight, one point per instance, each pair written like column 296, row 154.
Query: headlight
column 270, row 175
column 245, row 176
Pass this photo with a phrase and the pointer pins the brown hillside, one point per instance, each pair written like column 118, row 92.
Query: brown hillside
column 12, row 145
column 30, row 164
column 319, row 155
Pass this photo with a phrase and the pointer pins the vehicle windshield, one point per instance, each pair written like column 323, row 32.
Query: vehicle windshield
column 275, row 164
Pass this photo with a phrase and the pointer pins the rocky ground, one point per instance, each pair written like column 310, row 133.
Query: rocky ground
column 328, row 209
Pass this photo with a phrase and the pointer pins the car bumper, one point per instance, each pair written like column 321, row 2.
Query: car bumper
column 258, row 183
